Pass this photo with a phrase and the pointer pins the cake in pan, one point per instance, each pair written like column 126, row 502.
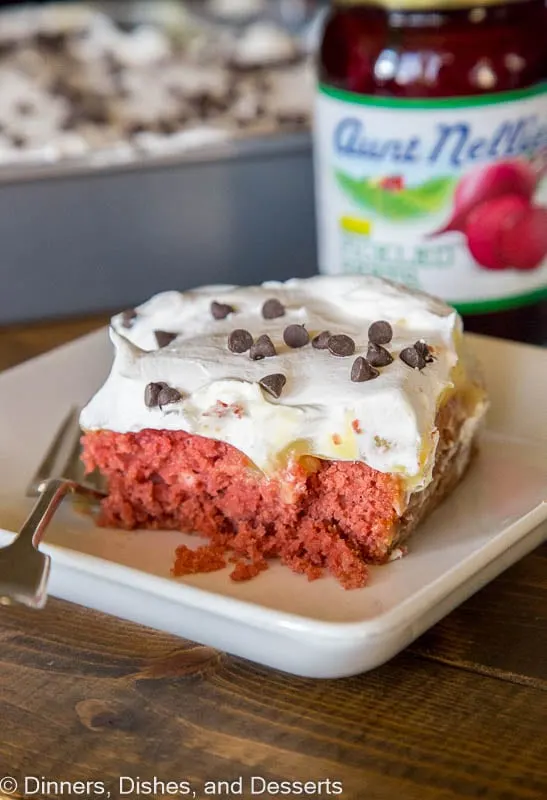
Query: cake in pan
column 76, row 84
column 315, row 421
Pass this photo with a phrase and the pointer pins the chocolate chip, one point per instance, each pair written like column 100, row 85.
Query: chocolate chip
column 272, row 309
column 50, row 40
column 168, row 126
column 168, row 395
column 378, row 356
column 72, row 120
column 321, row 341
column 221, row 310
column 239, row 341
column 296, row 336
column 73, row 94
column 7, row 48
column 94, row 110
column 18, row 141
column 380, row 332
column 341, row 345
column 273, row 384
column 152, row 392
column 412, row 358
column 128, row 318
column 262, row 348
column 135, row 128
column 59, row 86
column 423, row 350
column 361, row 370
column 203, row 106
column 160, row 394
column 25, row 108
column 115, row 68
column 163, row 338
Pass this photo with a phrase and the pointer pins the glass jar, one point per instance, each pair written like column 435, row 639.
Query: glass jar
column 431, row 153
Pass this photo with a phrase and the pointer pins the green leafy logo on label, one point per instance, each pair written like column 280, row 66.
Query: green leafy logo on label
column 388, row 198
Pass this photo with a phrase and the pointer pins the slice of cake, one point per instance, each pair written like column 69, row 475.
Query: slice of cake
column 316, row 421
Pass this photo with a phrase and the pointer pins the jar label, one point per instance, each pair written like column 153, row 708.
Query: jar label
column 445, row 195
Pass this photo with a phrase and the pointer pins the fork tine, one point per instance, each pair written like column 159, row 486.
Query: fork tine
column 46, row 467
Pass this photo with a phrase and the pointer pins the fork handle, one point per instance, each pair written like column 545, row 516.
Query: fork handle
column 51, row 497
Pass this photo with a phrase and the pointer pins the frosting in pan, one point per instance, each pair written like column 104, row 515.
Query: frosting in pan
column 387, row 422
column 77, row 85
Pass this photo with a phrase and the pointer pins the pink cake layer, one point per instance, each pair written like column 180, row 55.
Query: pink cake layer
column 315, row 515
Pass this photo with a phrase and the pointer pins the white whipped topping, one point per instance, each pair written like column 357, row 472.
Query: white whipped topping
column 182, row 141
column 292, row 91
column 388, row 422
column 19, row 24
column 27, row 111
column 142, row 46
column 264, row 43
column 194, row 80
column 235, row 9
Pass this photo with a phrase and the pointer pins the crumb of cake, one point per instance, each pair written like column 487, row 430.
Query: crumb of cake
column 244, row 572
column 209, row 558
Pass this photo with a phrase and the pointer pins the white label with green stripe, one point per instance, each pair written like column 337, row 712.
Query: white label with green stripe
column 448, row 196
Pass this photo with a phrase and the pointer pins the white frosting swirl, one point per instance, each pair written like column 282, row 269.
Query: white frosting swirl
column 264, row 43
column 388, row 422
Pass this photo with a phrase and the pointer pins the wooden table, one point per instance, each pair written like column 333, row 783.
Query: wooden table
column 460, row 714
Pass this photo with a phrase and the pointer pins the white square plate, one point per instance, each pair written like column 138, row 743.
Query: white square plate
column 278, row 618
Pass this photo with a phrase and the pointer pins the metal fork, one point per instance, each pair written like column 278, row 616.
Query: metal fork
column 24, row 569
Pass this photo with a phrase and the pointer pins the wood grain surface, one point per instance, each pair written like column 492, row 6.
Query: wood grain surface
column 460, row 714
column 21, row 342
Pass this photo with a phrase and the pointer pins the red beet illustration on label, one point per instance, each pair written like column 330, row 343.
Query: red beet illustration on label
column 494, row 209
column 392, row 183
